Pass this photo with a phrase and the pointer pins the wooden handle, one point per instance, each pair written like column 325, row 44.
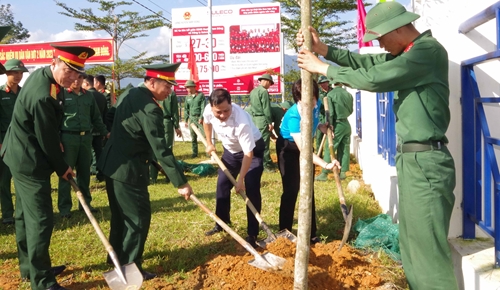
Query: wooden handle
column 320, row 150
column 228, row 174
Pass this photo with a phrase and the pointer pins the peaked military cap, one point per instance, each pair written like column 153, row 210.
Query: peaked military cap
column 74, row 56
column 323, row 79
column 164, row 71
column 386, row 17
column 267, row 77
column 14, row 64
column 3, row 31
column 189, row 83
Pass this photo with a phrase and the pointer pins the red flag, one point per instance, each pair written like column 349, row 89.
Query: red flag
column 193, row 68
column 362, row 25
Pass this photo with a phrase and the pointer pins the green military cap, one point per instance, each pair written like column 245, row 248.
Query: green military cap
column 164, row 71
column 323, row 79
column 189, row 83
column 74, row 56
column 267, row 77
column 3, row 31
column 15, row 65
column 386, row 17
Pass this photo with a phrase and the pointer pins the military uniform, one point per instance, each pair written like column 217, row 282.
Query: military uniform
column 7, row 100
column 81, row 116
column 97, row 138
column 32, row 152
column 137, row 134
column 425, row 167
column 260, row 106
column 193, row 108
column 170, row 108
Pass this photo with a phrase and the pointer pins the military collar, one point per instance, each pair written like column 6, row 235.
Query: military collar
column 82, row 91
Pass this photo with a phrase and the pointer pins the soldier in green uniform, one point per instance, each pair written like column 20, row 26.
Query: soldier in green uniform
column 416, row 66
column 81, row 116
column 194, row 105
column 100, row 86
column 260, row 106
column 170, row 108
column 324, row 89
column 340, row 103
column 138, row 133
column 31, row 149
column 8, row 95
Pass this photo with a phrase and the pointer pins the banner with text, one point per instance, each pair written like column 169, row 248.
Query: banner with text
column 42, row 53
column 246, row 43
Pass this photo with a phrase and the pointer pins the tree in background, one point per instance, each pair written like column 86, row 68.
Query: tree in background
column 122, row 26
column 17, row 33
column 326, row 20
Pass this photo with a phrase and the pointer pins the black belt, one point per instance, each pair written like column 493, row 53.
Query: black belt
column 420, row 146
column 81, row 133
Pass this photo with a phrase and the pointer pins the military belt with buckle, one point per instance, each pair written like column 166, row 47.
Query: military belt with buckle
column 81, row 133
column 420, row 146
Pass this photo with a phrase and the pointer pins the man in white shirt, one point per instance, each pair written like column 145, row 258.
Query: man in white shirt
column 243, row 157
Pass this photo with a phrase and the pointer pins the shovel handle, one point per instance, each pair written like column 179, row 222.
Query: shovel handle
column 320, row 150
column 231, row 178
column 332, row 156
column 233, row 234
column 95, row 224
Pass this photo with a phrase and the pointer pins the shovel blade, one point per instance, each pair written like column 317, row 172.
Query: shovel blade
column 268, row 262
column 347, row 228
column 132, row 275
column 281, row 234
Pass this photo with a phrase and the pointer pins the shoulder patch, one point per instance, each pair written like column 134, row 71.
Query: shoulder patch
column 54, row 90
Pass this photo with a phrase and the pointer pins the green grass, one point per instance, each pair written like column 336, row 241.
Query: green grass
column 176, row 243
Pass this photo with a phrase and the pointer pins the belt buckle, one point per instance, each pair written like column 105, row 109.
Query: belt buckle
column 82, row 133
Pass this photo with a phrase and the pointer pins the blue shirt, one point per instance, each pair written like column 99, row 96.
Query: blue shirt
column 291, row 122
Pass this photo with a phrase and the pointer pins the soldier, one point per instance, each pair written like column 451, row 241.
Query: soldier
column 260, row 106
column 100, row 99
column 324, row 89
column 170, row 108
column 138, row 133
column 340, row 103
column 100, row 86
column 32, row 151
column 8, row 95
column 193, row 108
column 81, row 116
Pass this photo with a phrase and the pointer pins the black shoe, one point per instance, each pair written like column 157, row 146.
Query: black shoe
column 315, row 240
column 148, row 275
column 252, row 240
column 213, row 231
column 58, row 269
column 56, row 287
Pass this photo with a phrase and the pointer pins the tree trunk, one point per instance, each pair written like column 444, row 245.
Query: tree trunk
column 306, row 169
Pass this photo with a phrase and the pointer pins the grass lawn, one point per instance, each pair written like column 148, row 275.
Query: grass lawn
column 176, row 243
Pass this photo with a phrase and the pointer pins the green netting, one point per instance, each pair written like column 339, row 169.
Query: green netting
column 199, row 169
column 378, row 232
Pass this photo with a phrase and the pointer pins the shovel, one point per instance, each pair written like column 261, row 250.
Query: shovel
column 266, row 261
column 126, row 277
column 320, row 149
column 271, row 237
column 346, row 213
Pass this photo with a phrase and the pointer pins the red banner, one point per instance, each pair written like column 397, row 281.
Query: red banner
column 42, row 53
column 362, row 25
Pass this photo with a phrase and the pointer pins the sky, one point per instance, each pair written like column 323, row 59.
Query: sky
column 46, row 24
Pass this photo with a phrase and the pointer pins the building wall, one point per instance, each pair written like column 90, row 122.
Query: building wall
column 443, row 17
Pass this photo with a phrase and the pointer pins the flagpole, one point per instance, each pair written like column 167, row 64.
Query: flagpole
column 211, row 54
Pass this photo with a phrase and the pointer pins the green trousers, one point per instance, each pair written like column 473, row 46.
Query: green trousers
column 7, row 206
column 78, row 155
column 342, row 144
column 426, row 181
column 194, row 137
column 325, row 152
column 130, row 220
column 34, row 224
column 261, row 124
column 169, row 136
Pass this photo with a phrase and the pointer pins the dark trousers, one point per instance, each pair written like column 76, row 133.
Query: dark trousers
column 130, row 220
column 252, row 185
column 290, row 177
column 97, row 145
column 34, row 224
